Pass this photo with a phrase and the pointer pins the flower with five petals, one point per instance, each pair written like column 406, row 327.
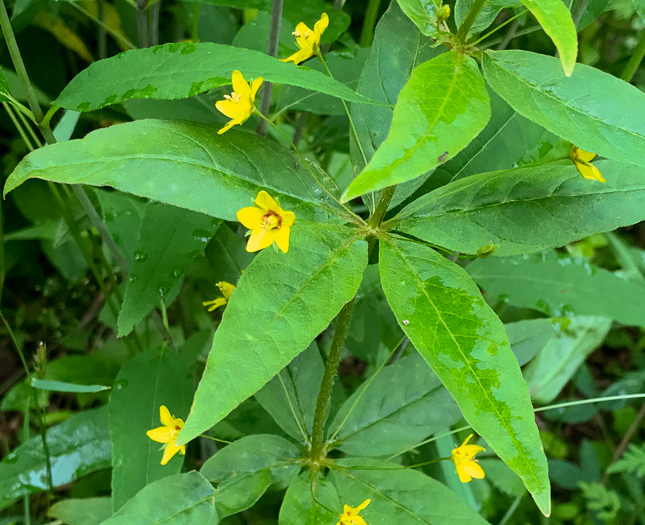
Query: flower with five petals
column 268, row 223
column 582, row 160
column 167, row 434
column 308, row 41
column 227, row 290
column 466, row 465
column 351, row 515
column 240, row 104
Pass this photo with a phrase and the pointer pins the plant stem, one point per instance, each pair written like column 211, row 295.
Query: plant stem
column 102, row 36
column 155, row 13
column 493, row 31
column 317, row 451
column 103, row 25
column 635, row 60
column 194, row 35
column 21, row 131
column 471, row 16
column 367, row 32
column 381, row 208
column 272, row 50
column 142, row 23
column 636, row 424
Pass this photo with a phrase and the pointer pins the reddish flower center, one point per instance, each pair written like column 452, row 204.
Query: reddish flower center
column 271, row 220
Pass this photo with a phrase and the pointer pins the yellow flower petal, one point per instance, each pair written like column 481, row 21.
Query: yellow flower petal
column 166, row 419
column 463, row 476
column 320, row 26
column 282, row 238
column 587, row 156
column 367, row 501
column 260, row 239
column 288, row 218
column 240, row 86
column 299, row 56
column 250, row 217
column 160, row 434
column 170, row 450
column 228, row 126
column 474, row 469
column 228, row 107
column 589, row 171
column 215, row 303
column 266, row 202
column 255, row 86
column 227, row 289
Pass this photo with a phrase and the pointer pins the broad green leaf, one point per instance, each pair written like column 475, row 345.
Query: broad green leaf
column 486, row 16
column 429, row 127
column 530, row 336
column 403, row 405
column 526, row 210
column 77, row 447
column 170, row 239
column 219, row 174
column 639, row 6
column 561, row 286
column 181, row 499
column 246, row 468
column 422, row 13
column 61, row 386
column 172, row 71
column 282, row 301
column 592, row 109
column 555, row 19
column 399, row 494
column 227, row 255
column 86, row 511
column 561, row 357
column 299, row 508
column 291, row 396
column 153, row 378
column 502, row 477
column 443, row 313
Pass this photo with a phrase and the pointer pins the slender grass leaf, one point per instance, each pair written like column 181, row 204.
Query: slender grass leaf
column 555, row 19
column 561, row 357
column 219, row 174
column 78, row 446
column 429, row 126
column 592, row 109
column 62, row 386
column 173, row 71
column 169, row 241
column 561, row 286
column 85, row 511
column 395, row 411
column 181, row 499
column 282, row 301
column 526, row 210
column 446, row 318
column 153, row 378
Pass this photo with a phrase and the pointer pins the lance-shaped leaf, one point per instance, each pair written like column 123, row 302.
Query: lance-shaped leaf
column 184, row 164
column 173, row 71
column 439, row 111
column 592, row 109
column 555, row 19
column 77, row 447
column 526, row 210
column 282, row 301
column 442, row 312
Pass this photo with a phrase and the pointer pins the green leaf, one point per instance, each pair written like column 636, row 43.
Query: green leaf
column 428, row 126
column 170, row 239
column 528, row 337
column 299, row 508
column 219, row 174
column 181, row 499
column 402, row 406
column 291, row 396
column 246, row 468
column 227, row 255
column 594, row 110
column 526, row 210
column 4, row 87
column 78, row 446
column 153, row 378
column 422, row 13
column 173, row 71
column 555, row 19
column 632, row 461
column 61, row 386
column 444, row 315
column 86, row 511
column 561, row 286
column 282, row 301
column 486, row 16
column 561, row 357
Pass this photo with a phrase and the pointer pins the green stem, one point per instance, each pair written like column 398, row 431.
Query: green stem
column 194, row 35
column 493, row 31
column 349, row 116
column 471, row 16
column 635, row 60
column 369, row 22
column 18, row 126
column 142, row 22
column 103, row 25
column 102, row 36
column 272, row 50
column 381, row 208
column 317, row 451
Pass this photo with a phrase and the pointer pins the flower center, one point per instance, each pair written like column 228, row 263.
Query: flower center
column 233, row 96
column 271, row 220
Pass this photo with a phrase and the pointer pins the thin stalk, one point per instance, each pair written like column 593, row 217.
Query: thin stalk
column 635, row 60
column 142, row 23
column 381, row 208
column 102, row 36
column 493, row 31
column 155, row 13
column 194, row 35
column 19, row 107
column 18, row 126
column 349, row 116
column 103, row 25
column 299, row 423
column 25, row 502
column 635, row 425
column 511, row 510
column 317, row 451
column 272, row 50
column 471, row 16
column 31, row 132
column 369, row 21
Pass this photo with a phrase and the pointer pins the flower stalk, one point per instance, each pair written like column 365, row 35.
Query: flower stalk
column 471, row 16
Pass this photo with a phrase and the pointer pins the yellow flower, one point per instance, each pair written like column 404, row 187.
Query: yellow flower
column 227, row 290
column 582, row 160
column 463, row 457
column 240, row 104
column 350, row 515
column 167, row 434
column 268, row 223
column 308, row 41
